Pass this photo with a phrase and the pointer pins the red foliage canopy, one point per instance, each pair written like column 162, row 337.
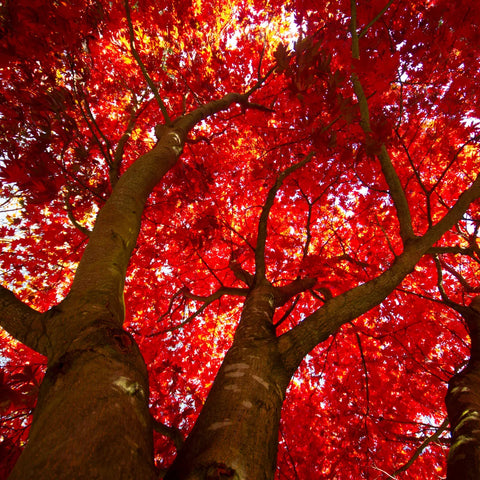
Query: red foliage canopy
column 84, row 85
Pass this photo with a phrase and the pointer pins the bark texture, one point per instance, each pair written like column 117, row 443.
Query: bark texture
column 463, row 407
column 92, row 419
column 236, row 434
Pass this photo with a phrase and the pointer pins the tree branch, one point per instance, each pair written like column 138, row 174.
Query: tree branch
column 91, row 123
column 104, row 262
column 461, row 279
column 452, row 161
column 353, row 30
column 210, row 269
column 114, row 171
column 432, row 438
column 241, row 274
column 100, row 276
column 339, row 310
column 365, row 370
column 172, row 433
column 242, row 237
column 454, row 250
column 285, row 293
column 22, row 322
column 72, row 218
column 147, row 77
column 461, row 309
column 260, row 269
column 375, row 19
column 287, row 313
column 242, row 292
column 261, row 81
column 395, row 187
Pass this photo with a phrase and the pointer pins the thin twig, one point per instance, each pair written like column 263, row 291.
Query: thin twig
column 262, row 53
column 383, row 471
column 375, row 19
column 209, row 268
column 364, row 363
column 207, row 301
column 260, row 81
column 432, row 438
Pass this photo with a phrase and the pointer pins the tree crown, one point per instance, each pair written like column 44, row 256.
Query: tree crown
column 357, row 134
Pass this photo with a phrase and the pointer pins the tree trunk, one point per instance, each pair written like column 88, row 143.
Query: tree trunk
column 236, row 434
column 463, row 407
column 92, row 419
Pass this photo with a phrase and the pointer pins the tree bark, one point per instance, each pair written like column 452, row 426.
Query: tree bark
column 22, row 322
column 236, row 434
column 92, row 419
column 463, row 407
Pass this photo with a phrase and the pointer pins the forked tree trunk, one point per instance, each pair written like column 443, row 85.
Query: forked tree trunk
column 92, row 419
column 463, row 407
column 236, row 434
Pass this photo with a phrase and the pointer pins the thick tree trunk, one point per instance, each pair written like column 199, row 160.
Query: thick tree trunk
column 236, row 434
column 92, row 419
column 463, row 407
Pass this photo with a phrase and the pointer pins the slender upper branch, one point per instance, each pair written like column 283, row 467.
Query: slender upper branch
column 430, row 439
column 147, row 77
column 101, row 272
column 262, row 224
column 466, row 286
column 445, row 299
column 375, row 19
column 114, row 171
column 261, row 80
column 94, row 128
column 365, row 370
column 353, row 29
column 455, row 250
column 396, row 190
